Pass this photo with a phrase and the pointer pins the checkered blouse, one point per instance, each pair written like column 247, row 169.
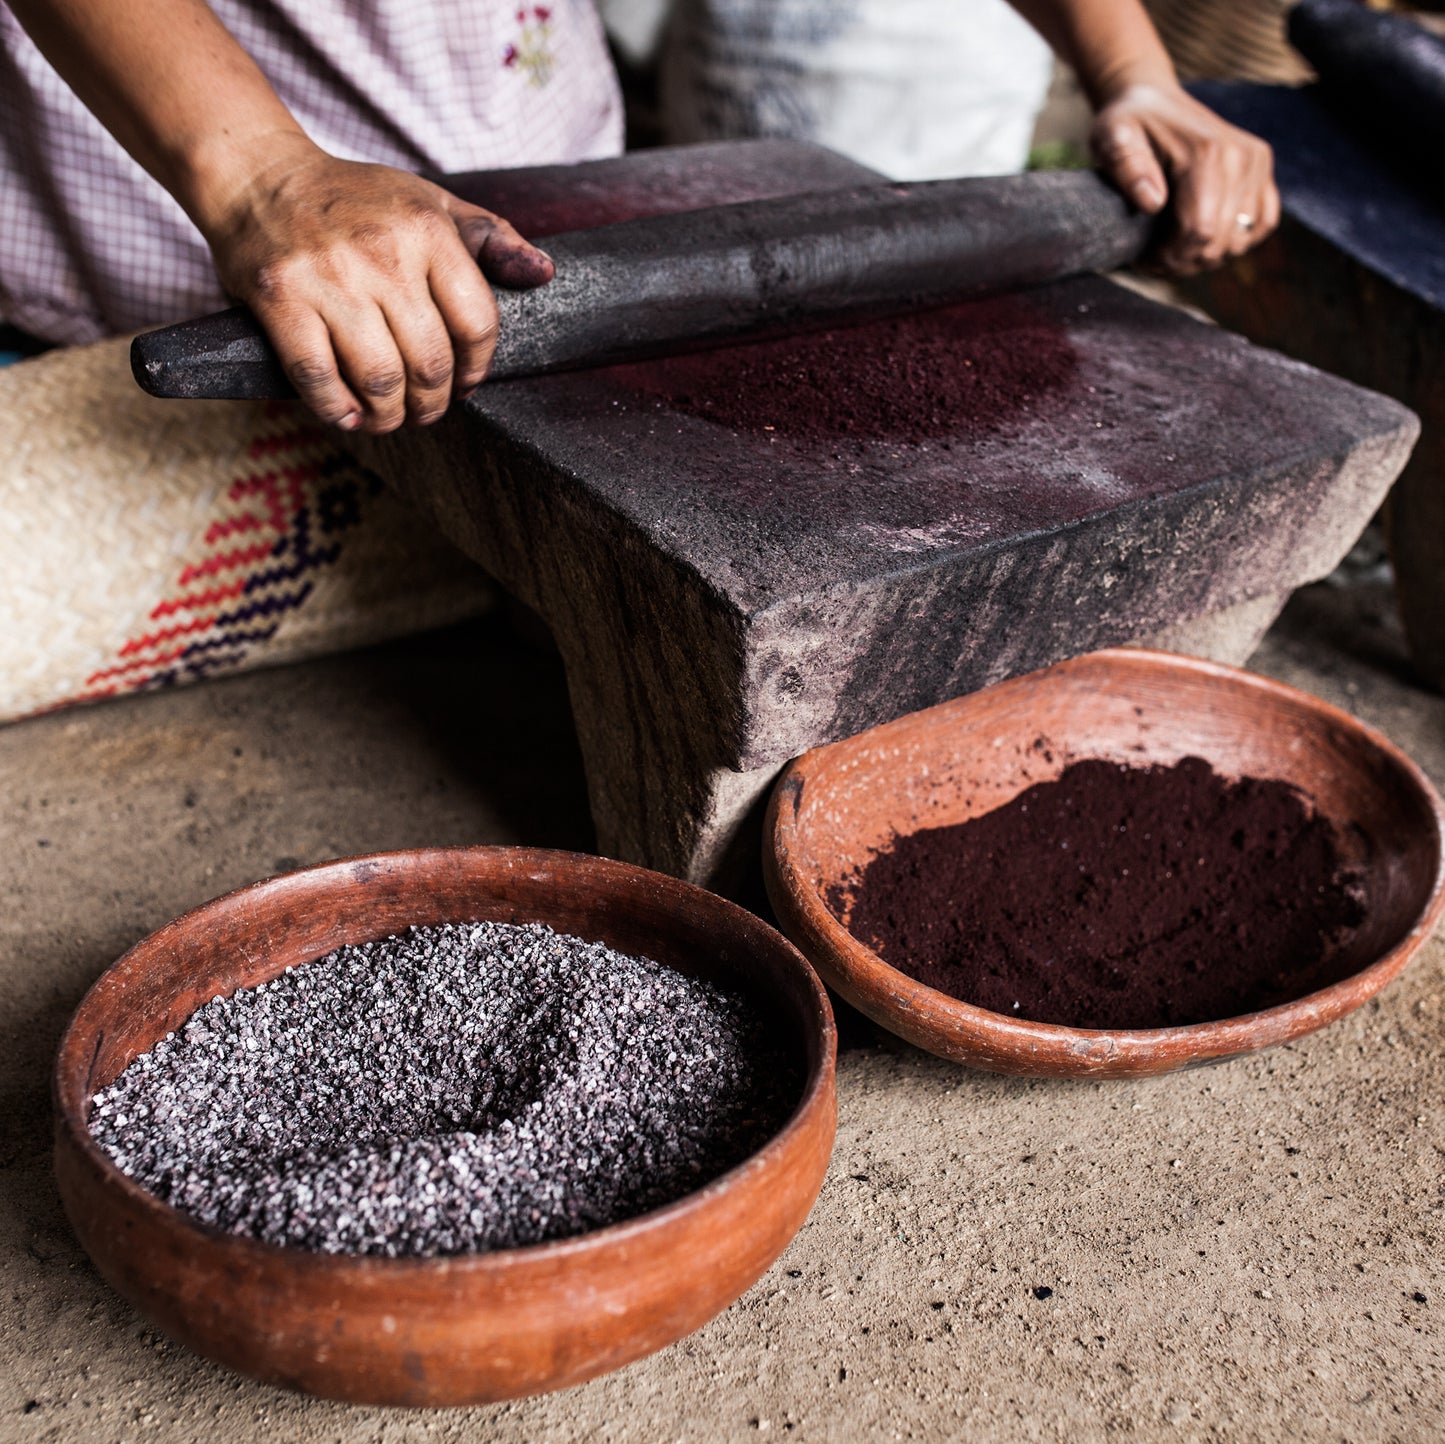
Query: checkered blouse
column 90, row 245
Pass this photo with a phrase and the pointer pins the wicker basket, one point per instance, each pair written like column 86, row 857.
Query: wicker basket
column 1229, row 40
column 148, row 543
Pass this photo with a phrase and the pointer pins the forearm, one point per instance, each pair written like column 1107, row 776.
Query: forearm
column 173, row 86
column 1111, row 44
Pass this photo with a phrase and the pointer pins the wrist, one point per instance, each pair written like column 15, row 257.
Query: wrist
column 1135, row 72
column 219, row 177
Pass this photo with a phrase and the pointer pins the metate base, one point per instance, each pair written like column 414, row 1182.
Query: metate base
column 724, row 599
column 1354, row 280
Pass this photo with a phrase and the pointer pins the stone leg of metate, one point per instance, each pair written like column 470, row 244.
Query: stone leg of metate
column 661, row 803
column 715, row 839
column 1228, row 635
column 718, row 845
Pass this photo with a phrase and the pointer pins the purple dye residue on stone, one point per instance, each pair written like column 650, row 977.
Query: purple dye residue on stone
column 954, row 373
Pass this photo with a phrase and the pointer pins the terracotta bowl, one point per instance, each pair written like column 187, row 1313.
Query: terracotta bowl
column 458, row 1330
column 838, row 805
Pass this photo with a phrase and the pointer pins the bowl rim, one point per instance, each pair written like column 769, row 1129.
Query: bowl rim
column 796, row 899
column 70, row 1101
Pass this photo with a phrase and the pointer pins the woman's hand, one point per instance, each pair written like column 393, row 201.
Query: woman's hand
column 1155, row 140
column 371, row 283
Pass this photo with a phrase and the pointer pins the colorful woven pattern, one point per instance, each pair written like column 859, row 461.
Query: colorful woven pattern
column 145, row 544
column 276, row 527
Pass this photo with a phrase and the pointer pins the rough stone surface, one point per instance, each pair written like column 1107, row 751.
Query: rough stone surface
column 1228, row 635
column 542, row 201
column 921, row 379
column 1252, row 1251
column 1354, row 282
column 724, row 598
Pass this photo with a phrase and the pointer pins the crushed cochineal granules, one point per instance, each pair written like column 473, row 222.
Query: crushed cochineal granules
column 928, row 376
column 1118, row 897
column 449, row 1090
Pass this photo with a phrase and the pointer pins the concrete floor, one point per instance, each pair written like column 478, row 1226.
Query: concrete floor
column 1252, row 1251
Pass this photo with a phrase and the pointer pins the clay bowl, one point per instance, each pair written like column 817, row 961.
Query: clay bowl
column 836, row 806
column 458, row 1330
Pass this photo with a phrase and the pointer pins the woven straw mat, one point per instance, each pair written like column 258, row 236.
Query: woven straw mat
column 147, row 543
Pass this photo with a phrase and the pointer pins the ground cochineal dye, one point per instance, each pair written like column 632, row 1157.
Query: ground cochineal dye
column 953, row 373
column 1118, row 897
column 454, row 1089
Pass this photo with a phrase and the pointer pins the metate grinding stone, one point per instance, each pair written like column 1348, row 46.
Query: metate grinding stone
column 726, row 596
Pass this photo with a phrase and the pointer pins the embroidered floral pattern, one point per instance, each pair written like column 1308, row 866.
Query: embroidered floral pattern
column 532, row 52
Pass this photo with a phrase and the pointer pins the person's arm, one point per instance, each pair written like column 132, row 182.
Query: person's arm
column 1151, row 135
column 365, row 277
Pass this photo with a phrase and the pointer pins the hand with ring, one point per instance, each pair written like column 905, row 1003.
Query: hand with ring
column 1156, row 141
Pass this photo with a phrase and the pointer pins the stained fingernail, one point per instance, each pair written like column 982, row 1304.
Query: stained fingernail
column 351, row 422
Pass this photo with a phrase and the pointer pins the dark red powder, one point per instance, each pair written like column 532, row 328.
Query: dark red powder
column 956, row 372
column 1118, row 897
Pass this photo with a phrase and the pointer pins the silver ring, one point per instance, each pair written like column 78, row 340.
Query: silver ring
column 1244, row 221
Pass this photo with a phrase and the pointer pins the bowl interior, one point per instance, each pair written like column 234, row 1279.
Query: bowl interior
column 460, row 1329
column 968, row 757
column 251, row 936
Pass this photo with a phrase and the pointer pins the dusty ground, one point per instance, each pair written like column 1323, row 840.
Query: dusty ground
column 1252, row 1251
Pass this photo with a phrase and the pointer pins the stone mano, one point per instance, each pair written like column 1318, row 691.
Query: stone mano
column 652, row 285
column 725, row 597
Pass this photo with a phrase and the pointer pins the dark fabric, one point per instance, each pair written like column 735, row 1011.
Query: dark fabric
column 17, row 346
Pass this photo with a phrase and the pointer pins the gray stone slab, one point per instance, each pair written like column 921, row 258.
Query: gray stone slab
column 726, row 596
column 546, row 200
